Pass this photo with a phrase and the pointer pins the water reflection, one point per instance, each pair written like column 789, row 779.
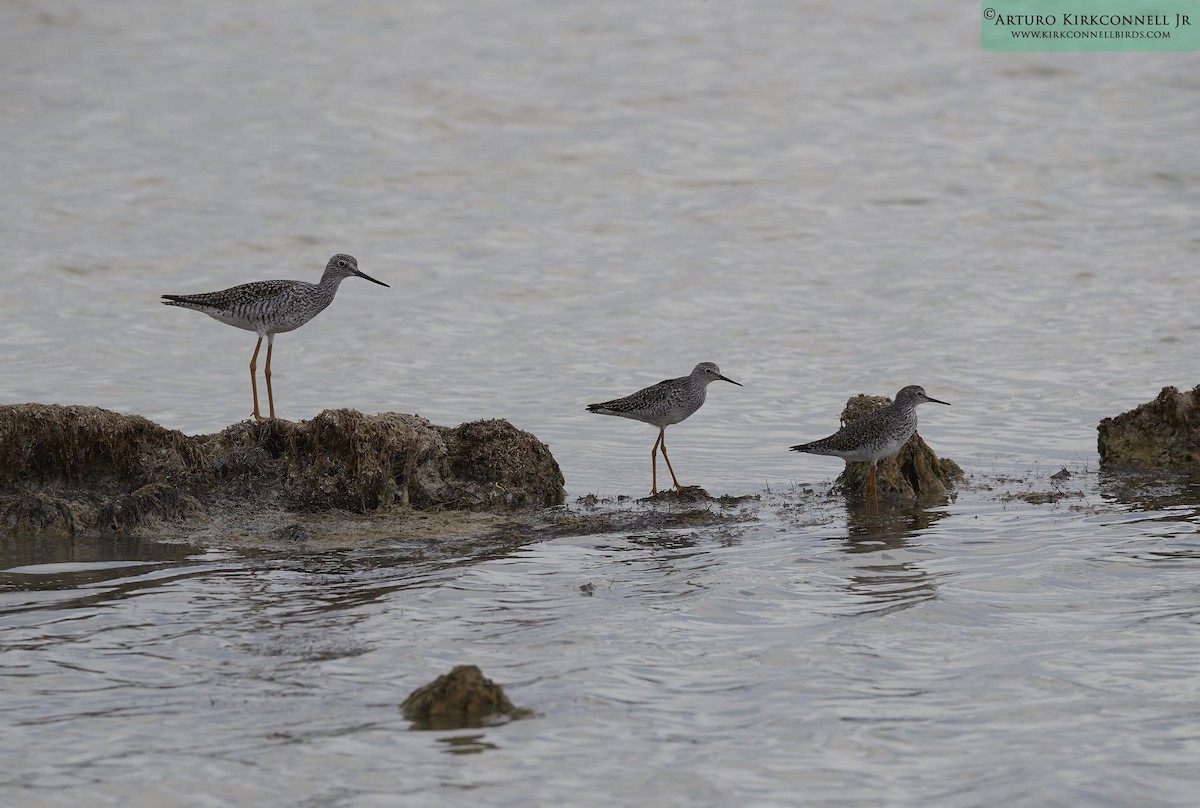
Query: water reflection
column 466, row 744
column 1166, row 502
column 667, row 552
column 83, row 573
column 890, row 526
column 1177, row 493
column 660, row 565
column 660, row 541
column 881, row 582
column 49, row 573
column 27, row 550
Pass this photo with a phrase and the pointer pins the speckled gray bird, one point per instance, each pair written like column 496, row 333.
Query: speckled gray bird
column 272, row 307
column 876, row 436
column 663, row 404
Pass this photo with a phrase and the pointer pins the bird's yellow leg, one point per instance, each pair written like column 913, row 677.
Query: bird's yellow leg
column 663, row 443
column 872, row 488
column 267, row 374
column 654, row 465
column 253, row 381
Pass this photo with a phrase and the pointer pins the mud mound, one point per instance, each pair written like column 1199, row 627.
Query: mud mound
column 461, row 698
column 1163, row 433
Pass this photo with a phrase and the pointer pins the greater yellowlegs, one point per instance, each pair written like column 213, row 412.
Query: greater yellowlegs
column 876, row 436
column 663, row 404
column 270, row 308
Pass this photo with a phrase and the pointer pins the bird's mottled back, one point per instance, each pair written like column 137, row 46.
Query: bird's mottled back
column 273, row 307
column 875, row 436
column 668, row 402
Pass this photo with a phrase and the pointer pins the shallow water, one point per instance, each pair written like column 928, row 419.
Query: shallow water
column 974, row 653
column 571, row 202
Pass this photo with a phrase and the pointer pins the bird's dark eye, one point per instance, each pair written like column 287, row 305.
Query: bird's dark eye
column 342, row 264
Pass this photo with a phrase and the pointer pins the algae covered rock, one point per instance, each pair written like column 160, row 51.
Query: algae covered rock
column 65, row 469
column 87, row 447
column 914, row 471
column 461, row 698
column 340, row 459
column 1163, row 433
column 495, row 464
column 363, row 463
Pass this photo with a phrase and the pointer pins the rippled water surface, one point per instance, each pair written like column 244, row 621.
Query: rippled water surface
column 572, row 201
column 963, row 655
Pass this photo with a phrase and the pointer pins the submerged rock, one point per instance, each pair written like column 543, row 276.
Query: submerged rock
column 461, row 698
column 65, row 469
column 914, row 471
column 668, row 510
column 1163, row 433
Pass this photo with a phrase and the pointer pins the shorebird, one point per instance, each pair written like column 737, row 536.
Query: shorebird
column 663, row 404
column 876, row 436
column 271, row 307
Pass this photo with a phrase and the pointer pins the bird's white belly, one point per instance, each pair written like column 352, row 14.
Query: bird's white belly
column 236, row 322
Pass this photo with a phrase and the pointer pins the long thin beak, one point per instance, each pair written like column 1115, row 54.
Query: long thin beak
column 731, row 381
column 937, row 401
column 367, row 277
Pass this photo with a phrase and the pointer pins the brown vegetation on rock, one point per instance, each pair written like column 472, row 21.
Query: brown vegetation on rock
column 1163, row 433
column 499, row 466
column 68, row 468
column 86, row 446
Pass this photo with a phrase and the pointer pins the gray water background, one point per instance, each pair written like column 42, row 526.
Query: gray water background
column 572, row 201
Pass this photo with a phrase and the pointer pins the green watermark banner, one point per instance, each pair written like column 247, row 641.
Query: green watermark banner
column 1090, row 25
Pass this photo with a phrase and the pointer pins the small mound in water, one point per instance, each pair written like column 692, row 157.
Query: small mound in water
column 914, row 471
column 461, row 698
column 70, row 469
column 688, row 495
column 1160, row 434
